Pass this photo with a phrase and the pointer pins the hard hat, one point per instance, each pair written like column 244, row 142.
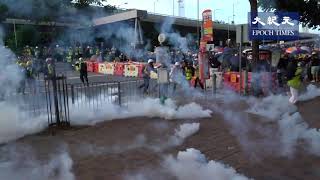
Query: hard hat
column 36, row 47
column 314, row 53
column 80, row 59
column 150, row 61
column 177, row 64
column 48, row 60
column 29, row 63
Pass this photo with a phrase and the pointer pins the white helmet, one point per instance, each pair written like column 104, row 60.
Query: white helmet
column 150, row 61
column 177, row 64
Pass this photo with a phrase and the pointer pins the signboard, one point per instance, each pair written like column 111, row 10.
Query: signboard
column 210, row 47
column 163, row 75
column 207, row 25
column 274, row 26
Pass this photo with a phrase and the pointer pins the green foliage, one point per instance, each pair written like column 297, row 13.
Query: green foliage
column 309, row 10
column 3, row 12
column 87, row 3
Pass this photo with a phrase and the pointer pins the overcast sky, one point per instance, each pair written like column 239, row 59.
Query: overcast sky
column 166, row 7
column 223, row 8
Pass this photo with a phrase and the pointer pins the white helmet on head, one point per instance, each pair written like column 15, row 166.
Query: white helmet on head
column 150, row 61
column 177, row 64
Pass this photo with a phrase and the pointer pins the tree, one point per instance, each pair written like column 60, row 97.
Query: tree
column 87, row 3
column 3, row 12
column 309, row 10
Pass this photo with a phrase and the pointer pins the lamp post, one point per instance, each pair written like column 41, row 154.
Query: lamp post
column 198, row 21
column 154, row 5
column 214, row 13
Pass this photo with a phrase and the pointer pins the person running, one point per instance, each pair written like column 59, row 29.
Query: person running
column 315, row 67
column 295, row 82
column 147, row 75
column 83, row 72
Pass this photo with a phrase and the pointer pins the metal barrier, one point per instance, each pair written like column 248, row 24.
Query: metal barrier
column 57, row 98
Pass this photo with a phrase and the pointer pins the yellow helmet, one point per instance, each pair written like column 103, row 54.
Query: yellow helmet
column 29, row 63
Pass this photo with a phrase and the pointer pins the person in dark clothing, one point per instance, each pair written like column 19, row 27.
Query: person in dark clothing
column 147, row 75
column 282, row 68
column 292, row 68
column 83, row 72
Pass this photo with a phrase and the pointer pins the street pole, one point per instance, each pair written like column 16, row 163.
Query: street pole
column 15, row 33
column 172, row 7
column 228, row 28
column 198, row 22
column 214, row 14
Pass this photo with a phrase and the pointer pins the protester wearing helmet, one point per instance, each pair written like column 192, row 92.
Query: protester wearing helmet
column 50, row 68
column 146, row 75
column 176, row 75
column 196, row 76
column 295, row 83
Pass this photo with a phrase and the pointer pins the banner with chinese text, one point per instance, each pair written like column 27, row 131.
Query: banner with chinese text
column 274, row 26
column 207, row 25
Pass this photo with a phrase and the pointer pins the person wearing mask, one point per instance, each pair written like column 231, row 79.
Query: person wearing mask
column 83, row 71
column 295, row 81
column 147, row 75
column 176, row 75
column 315, row 67
column 189, row 72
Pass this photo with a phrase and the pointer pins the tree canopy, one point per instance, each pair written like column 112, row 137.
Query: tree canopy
column 51, row 10
column 309, row 10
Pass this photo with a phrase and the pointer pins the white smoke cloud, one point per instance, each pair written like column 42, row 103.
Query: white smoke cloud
column 311, row 93
column 142, row 108
column 291, row 128
column 187, row 130
column 192, row 164
column 13, row 124
column 17, row 167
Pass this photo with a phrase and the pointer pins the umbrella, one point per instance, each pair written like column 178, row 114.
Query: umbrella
column 218, row 49
column 298, row 50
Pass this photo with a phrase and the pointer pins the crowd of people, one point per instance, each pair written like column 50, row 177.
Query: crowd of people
column 291, row 69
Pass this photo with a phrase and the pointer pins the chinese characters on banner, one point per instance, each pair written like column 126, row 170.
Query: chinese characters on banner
column 206, row 37
column 274, row 26
column 207, row 26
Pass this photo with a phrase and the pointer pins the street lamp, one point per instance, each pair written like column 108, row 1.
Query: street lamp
column 154, row 5
column 229, row 27
column 214, row 13
column 198, row 21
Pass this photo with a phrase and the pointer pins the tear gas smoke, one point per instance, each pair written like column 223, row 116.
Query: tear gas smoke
column 13, row 122
column 280, row 128
column 192, row 164
column 291, row 126
column 311, row 93
column 143, row 108
column 189, row 165
column 17, row 166
column 140, row 141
